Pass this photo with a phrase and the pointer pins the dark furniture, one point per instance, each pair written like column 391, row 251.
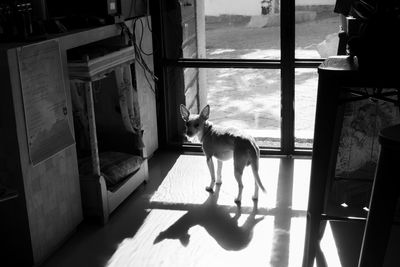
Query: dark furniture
column 385, row 194
column 336, row 75
column 48, row 207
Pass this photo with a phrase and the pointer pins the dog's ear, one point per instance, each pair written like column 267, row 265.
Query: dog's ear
column 205, row 113
column 184, row 112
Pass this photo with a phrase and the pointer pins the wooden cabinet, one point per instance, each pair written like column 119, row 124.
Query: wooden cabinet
column 47, row 207
column 15, row 243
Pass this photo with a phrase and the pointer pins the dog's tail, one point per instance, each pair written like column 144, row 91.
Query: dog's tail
column 254, row 167
column 255, row 155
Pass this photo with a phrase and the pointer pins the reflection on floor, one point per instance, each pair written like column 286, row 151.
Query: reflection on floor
column 173, row 221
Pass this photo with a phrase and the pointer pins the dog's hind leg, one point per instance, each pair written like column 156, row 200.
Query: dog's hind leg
column 238, row 176
column 239, row 163
column 255, row 195
column 210, row 165
column 254, row 167
column 219, row 170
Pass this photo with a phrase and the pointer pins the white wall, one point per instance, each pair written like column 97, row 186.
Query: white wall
column 236, row 7
column 314, row 2
column 249, row 7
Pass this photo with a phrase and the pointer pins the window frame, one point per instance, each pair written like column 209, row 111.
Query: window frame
column 287, row 65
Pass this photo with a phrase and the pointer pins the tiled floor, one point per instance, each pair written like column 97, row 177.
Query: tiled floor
column 173, row 221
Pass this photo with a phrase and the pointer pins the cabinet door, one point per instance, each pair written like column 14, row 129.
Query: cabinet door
column 51, row 185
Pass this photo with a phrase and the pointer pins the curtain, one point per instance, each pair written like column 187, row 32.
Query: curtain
column 116, row 108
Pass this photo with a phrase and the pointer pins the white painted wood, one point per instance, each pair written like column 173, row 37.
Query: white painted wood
column 146, row 86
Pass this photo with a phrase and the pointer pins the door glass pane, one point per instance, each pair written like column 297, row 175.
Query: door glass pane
column 225, row 29
column 306, row 82
column 248, row 99
column 316, row 29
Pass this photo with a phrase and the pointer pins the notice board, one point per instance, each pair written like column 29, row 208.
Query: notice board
column 44, row 100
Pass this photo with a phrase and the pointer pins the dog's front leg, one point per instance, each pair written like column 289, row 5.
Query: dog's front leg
column 210, row 165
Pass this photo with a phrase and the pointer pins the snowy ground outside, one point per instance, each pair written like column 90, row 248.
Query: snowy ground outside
column 251, row 98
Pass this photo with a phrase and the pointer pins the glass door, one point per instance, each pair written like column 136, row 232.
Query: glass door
column 254, row 62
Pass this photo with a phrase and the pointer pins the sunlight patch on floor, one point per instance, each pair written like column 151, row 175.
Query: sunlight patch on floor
column 297, row 237
column 187, row 226
column 186, row 182
column 301, row 182
column 165, row 239
column 329, row 248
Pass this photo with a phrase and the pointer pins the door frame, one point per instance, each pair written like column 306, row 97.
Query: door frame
column 287, row 65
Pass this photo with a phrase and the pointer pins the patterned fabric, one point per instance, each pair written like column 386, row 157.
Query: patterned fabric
column 128, row 107
column 81, row 123
column 128, row 99
column 114, row 166
column 125, row 119
column 359, row 147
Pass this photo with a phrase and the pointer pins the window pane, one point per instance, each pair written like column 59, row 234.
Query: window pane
column 238, row 29
column 248, row 99
column 317, row 28
column 306, row 82
column 226, row 29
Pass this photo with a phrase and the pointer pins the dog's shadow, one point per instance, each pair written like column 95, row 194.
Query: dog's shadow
column 217, row 221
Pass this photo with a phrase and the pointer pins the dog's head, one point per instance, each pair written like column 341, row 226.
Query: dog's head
column 194, row 123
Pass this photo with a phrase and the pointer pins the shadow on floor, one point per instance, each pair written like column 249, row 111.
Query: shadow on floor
column 217, row 222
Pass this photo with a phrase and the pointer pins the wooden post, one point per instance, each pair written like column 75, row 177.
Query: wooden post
column 92, row 128
column 102, row 194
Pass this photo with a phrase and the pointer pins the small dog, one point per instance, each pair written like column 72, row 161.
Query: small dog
column 223, row 144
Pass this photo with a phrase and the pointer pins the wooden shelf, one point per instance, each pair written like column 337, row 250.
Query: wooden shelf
column 75, row 38
column 86, row 36
column 94, row 69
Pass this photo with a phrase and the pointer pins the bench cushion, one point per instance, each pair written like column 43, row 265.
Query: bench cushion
column 114, row 166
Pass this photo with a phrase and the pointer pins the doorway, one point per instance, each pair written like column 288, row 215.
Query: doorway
column 254, row 62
